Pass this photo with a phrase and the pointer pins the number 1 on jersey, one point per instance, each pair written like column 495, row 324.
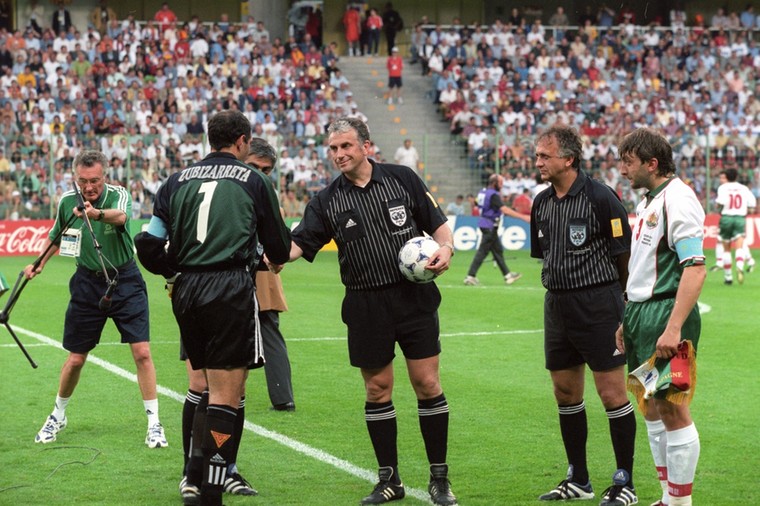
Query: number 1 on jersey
column 201, row 229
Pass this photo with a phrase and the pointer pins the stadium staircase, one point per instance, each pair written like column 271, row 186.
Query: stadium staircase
column 445, row 169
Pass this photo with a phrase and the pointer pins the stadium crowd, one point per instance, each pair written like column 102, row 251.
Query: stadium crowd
column 500, row 85
column 142, row 92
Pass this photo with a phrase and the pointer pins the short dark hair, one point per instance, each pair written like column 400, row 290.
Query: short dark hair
column 731, row 174
column 225, row 127
column 345, row 124
column 568, row 140
column 646, row 144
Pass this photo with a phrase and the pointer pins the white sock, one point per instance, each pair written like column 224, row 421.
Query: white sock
column 748, row 255
column 683, row 455
column 727, row 264
column 151, row 409
column 658, row 441
column 719, row 253
column 59, row 411
column 740, row 259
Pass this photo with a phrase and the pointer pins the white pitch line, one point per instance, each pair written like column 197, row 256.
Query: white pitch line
column 305, row 449
column 320, row 339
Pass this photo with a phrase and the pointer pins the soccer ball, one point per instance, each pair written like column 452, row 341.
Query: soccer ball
column 413, row 258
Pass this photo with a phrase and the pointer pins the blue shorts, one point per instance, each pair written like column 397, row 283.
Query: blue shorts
column 406, row 313
column 129, row 308
column 580, row 325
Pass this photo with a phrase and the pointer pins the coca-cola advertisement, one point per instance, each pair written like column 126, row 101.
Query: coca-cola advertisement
column 19, row 238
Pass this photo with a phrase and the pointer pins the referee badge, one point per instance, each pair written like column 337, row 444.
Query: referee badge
column 398, row 215
column 617, row 227
column 578, row 234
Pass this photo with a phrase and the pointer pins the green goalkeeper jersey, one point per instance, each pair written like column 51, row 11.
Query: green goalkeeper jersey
column 217, row 211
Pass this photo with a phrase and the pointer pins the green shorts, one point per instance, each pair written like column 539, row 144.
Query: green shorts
column 644, row 323
column 732, row 227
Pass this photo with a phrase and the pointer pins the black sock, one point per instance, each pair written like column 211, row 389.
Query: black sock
column 623, row 433
column 237, row 433
column 194, row 469
column 383, row 432
column 572, row 424
column 217, row 450
column 188, row 413
column 434, row 425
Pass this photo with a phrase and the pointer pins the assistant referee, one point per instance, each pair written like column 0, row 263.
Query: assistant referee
column 580, row 229
column 370, row 211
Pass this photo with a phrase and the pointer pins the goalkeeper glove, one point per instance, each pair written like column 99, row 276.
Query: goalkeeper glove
column 170, row 285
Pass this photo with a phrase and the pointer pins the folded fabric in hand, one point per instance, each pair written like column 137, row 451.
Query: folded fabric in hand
column 675, row 377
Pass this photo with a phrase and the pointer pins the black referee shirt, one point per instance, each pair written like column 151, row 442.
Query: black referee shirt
column 579, row 235
column 370, row 224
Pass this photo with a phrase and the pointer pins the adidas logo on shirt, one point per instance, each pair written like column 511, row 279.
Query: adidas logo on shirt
column 350, row 223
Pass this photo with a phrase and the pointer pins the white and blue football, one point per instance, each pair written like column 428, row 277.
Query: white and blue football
column 413, row 258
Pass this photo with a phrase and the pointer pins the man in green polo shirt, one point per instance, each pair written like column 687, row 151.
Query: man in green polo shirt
column 108, row 209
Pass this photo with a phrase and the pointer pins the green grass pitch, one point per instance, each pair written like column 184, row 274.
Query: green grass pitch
column 504, row 444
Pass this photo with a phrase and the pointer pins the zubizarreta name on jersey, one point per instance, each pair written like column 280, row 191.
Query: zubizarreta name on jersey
column 216, row 172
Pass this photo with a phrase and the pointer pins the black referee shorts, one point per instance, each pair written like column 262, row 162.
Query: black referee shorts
column 406, row 313
column 580, row 325
column 216, row 315
column 129, row 308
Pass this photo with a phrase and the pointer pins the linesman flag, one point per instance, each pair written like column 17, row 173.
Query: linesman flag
column 676, row 377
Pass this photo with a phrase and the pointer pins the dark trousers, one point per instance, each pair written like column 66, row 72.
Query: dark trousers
column 490, row 243
column 277, row 365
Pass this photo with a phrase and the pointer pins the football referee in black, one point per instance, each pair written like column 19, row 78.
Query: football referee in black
column 580, row 229
column 370, row 211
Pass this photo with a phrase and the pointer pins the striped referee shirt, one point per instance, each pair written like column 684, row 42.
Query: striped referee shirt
column 370, row 224
column 579, row 235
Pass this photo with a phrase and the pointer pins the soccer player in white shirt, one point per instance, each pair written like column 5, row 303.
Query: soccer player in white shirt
column 735, row 201
column 666, row 273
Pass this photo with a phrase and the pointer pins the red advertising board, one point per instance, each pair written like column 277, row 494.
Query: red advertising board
column 19, row 238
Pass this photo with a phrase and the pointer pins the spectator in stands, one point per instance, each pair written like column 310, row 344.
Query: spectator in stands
column 101, row 16
column 165, row 17
column 61, row 19
column 392, row 24
column 416, row 41
column 291, row 206
column 456, row 208
column 5, row 15
column 395, row 66
column 559, row 19
column 374, row 25
column 523, row 202
column 352, row 24
column 407, row 155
